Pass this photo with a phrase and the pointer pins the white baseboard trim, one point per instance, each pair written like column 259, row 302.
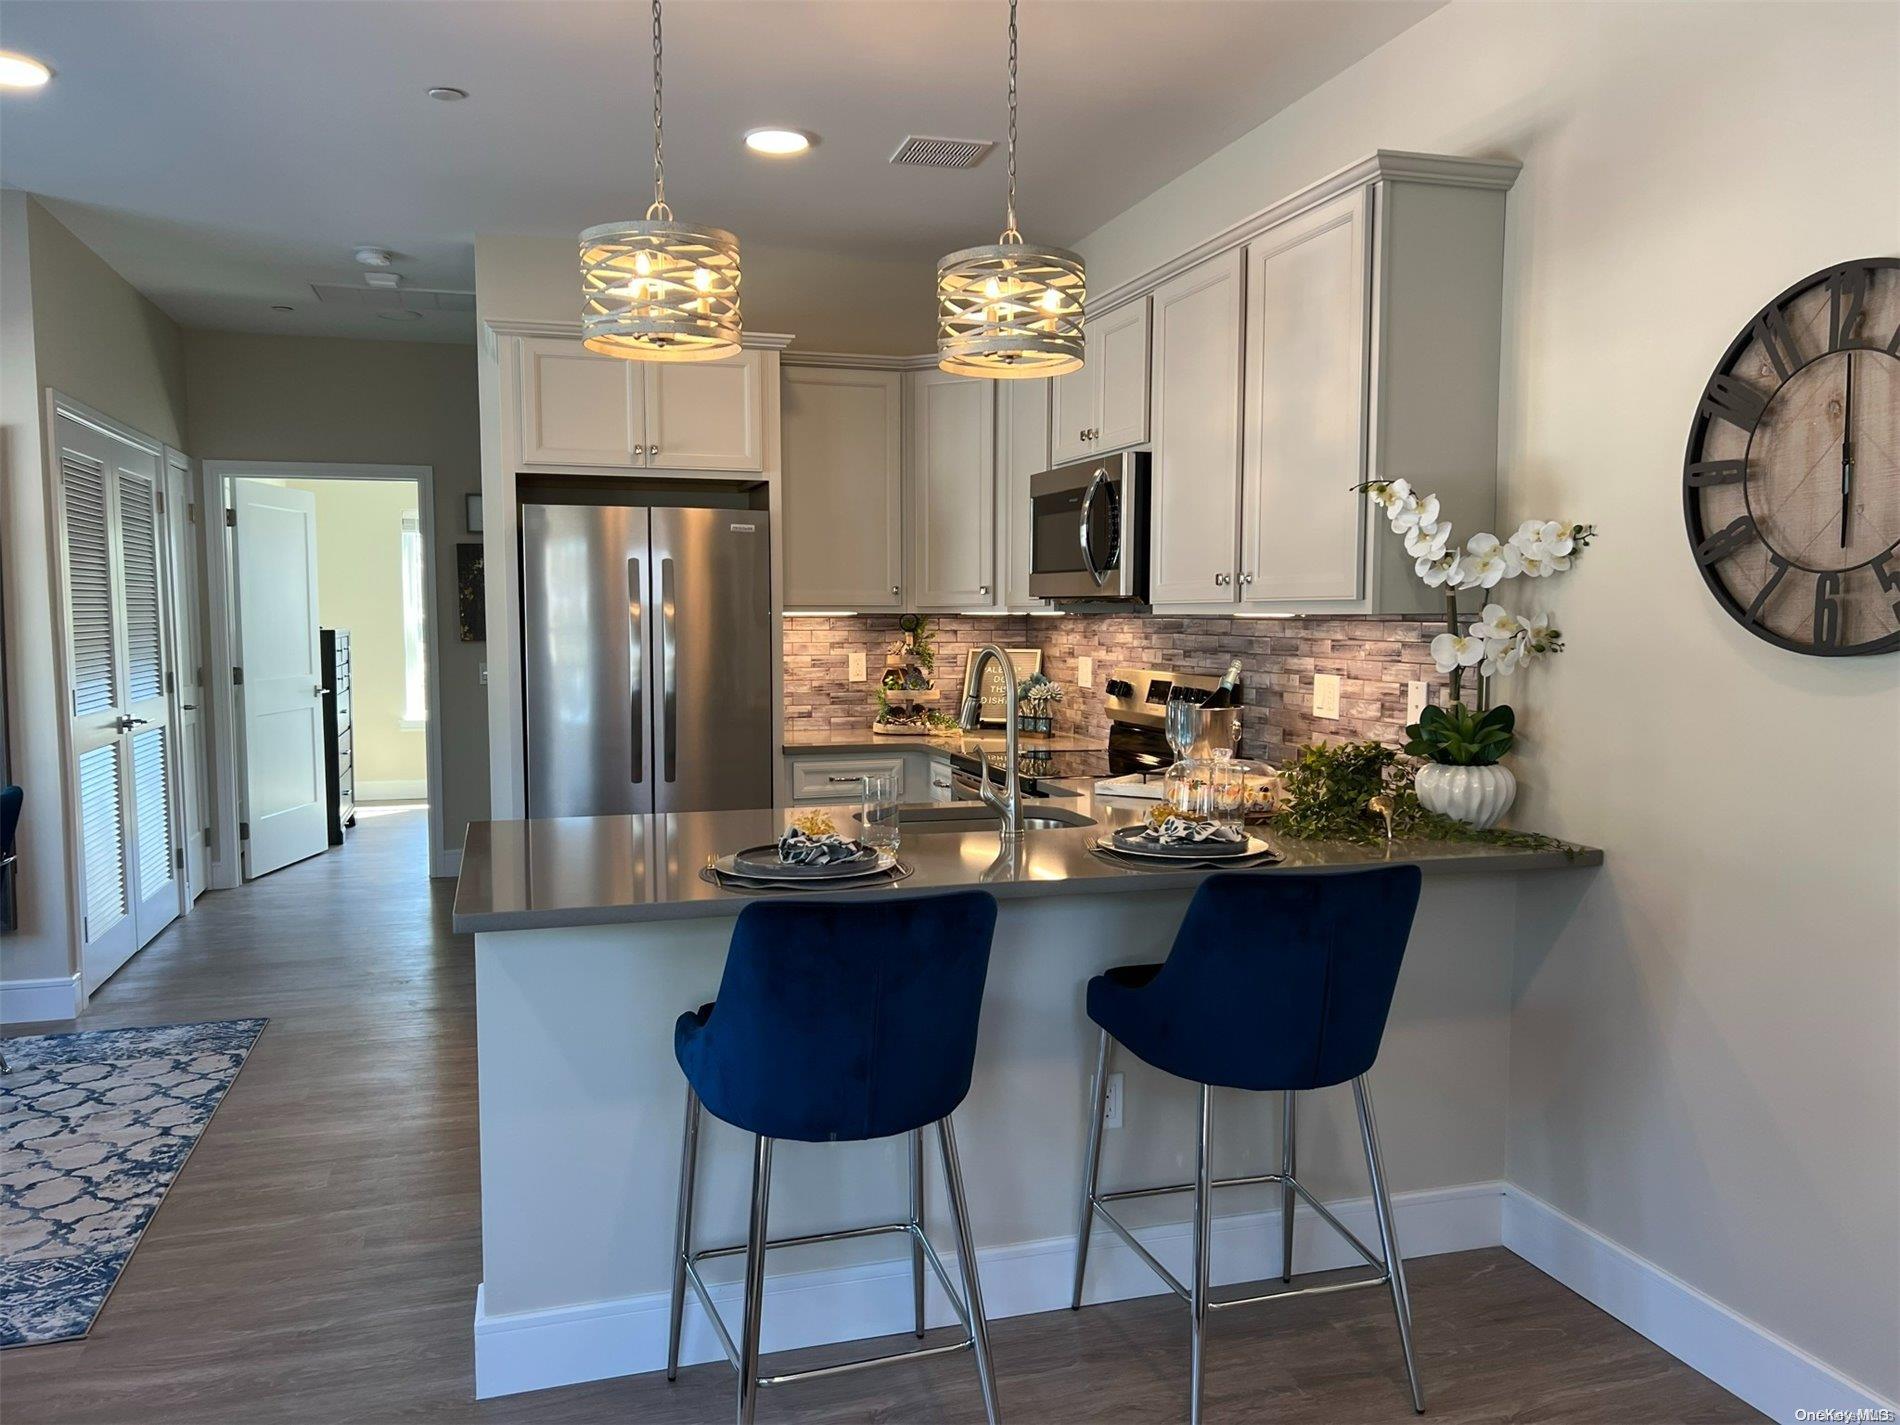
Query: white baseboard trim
column 1775, row 1376
column 416, row 790
column 448, row 861
column 533, row 1350
column 33, row 1001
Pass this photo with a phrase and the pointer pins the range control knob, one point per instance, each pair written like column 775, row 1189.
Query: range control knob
column 1120, row 688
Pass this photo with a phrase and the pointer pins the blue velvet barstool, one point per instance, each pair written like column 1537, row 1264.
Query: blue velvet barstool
column 1277, row 984
column 835, row 1023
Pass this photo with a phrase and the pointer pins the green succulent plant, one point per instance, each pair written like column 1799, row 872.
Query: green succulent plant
column 1458, row 737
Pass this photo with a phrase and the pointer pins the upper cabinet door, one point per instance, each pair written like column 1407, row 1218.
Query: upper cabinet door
column 1195, row 494
column 1118, row 350
column 706, row 415
column 578, row 408
column 1308, row 307
column 1077, row 412
column 841, row 507
column 1022, row 450
column 950, row 489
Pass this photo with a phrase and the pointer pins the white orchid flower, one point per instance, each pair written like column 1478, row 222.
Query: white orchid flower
column 1497, row 624
column 1393, row 496
column 1451, row 651
column 1488, row 560
column 1417, row 514
column 1448, row 569
column 1541, row 637
column 1503, row 655
column 1422, row 543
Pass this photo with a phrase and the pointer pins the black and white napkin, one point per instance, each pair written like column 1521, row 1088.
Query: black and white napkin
column 798, row 849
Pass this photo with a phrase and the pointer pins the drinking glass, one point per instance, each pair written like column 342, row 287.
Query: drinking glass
column 1227, row 780
column 879, row 818
column 1182, row 725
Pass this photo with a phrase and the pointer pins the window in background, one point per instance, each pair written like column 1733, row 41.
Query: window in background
column 415, row 680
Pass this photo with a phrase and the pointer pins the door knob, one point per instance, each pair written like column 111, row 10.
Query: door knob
column 321, row 690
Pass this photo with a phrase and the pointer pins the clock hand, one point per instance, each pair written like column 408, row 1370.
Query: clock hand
column 1847, row 448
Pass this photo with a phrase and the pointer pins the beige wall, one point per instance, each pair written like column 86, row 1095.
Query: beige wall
column 359, row 587
column 826, row 301
column 1706, row 1053
column 377, row 403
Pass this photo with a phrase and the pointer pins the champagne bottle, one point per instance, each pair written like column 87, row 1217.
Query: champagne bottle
column 1228, row 693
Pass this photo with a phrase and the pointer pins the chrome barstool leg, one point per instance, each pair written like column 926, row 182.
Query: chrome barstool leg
column 1388, row 1236
column 683, row 1238
column 754, row 1282
column 1203, row 1224
column 966, row 1263
column 1287, row 1196
column 1091, row 1169
column 917, row 1225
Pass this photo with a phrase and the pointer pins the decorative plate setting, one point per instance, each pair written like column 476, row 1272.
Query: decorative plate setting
column 1137, row 841
column 763, row 863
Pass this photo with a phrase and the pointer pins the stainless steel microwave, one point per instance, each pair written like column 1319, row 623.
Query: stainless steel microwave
column 1088, row 531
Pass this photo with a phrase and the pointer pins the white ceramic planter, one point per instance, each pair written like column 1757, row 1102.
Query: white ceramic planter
column 1477, row 796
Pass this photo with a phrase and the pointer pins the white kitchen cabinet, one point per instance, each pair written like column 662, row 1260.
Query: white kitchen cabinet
column 1194, row 488
column 1104, row 406
column 1022, row 451
column 950, row 491
column 602, row 412
column 842, row 488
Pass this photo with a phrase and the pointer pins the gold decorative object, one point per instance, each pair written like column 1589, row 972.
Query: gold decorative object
column 1384, row 806
column 814, row 823
column 1010, row 309
column 653, row 289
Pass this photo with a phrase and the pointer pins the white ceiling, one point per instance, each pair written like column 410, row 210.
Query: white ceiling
column 224, row 156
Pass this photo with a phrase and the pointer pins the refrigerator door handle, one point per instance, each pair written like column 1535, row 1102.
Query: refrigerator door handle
column 635, row 593
column 669, row 682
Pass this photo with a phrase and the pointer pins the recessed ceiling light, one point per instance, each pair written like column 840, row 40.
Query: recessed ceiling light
column 400, row 316
column 22, row 71
column 447, row 93
column 780, row 143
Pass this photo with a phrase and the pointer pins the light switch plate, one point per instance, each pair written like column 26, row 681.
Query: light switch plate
column 1326, row 695
column 484, row 675
column 1415, row 696
column 856, row 661
column 1085, row 672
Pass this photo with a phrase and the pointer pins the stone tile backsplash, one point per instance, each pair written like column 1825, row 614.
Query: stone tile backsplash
column 1373, row 657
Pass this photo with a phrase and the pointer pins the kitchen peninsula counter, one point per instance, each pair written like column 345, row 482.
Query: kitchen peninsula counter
column 862, row 739
column 593, row 935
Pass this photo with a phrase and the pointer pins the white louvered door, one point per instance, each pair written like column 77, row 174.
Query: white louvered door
column 115, row 663
column 187, row 667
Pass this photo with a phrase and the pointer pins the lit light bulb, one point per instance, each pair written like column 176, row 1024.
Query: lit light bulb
column 992, row 288
column 703, row 278
column 1051, row 300
column 642, row 264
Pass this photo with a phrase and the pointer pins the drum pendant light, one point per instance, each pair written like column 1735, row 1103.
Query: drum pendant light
column 1010, row 309
column 654, row 289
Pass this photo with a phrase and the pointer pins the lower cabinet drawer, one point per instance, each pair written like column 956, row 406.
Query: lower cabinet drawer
column 841, row 779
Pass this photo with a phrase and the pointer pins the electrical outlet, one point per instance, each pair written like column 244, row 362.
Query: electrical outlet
column 856, row 661
column 1112, row 1115
column 1416, row 693
column 1085, row 672
column 1326, row 695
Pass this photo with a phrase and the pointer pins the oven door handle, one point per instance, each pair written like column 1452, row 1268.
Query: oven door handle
column 1099, row 480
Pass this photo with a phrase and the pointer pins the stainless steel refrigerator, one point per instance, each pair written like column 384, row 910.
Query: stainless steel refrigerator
column 647, row 658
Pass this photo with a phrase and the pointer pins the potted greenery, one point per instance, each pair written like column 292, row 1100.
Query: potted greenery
column 1035, row 703
column 1462, row 776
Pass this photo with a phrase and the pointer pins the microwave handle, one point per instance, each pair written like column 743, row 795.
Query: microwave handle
column 1088, row 504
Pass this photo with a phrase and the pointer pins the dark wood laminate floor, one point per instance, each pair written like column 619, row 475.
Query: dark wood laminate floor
column 318, row 1257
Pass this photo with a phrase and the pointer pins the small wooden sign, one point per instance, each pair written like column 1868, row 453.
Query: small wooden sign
column 1026, row 661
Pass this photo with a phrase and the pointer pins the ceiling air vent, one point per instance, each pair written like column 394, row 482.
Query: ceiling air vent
column 942, row 153
column 414, row 299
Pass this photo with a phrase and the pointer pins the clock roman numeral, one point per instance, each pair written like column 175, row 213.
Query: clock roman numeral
column 1735, row 401
column 1702, row 473
column 1731, row 539
column 1827, row 610
column 1846, row 301
column 1781, row 568
column 1777, row 341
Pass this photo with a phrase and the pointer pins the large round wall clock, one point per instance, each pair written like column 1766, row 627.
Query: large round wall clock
column 1791, row 486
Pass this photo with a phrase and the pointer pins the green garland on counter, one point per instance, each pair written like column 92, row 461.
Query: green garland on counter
column 1327, row 791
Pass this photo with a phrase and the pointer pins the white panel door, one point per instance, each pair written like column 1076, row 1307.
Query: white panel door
column 113, row 599
column 1194, row 498
column 1075, row 398
column 950, row 489
column 188, row 673
column 1308, row 294
column 841, row 446
column 1118, row 349
column 578, row 408
column 1022, row 450
column 280, row 701
column 706, row 415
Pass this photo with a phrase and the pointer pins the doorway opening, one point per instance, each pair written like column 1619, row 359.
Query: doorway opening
column 329, row 613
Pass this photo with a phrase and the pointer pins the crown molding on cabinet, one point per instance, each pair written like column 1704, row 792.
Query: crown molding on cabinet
column 853, row 361
column 503, row 326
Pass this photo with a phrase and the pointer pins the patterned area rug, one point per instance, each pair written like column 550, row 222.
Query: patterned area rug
column 93, row 1130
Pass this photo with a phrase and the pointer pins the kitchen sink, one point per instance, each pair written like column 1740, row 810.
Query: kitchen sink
column 931, row 817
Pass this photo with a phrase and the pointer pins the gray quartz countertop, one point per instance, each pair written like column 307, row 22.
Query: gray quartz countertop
column 538, row 875
column 862, row 739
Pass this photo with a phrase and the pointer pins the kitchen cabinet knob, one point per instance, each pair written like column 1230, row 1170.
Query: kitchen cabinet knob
column 893, row 590
column 653, row 452
column 1246, row 578
column 983, row 589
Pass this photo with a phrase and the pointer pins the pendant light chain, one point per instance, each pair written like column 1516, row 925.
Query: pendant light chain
column 1009, row 228
column 659, row 207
